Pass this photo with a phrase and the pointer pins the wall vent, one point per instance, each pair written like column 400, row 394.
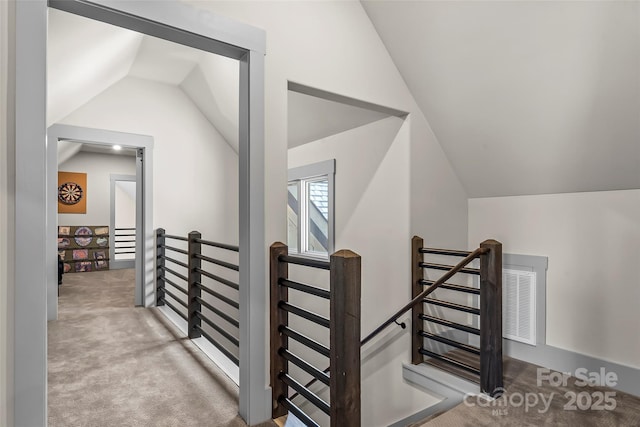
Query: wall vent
column 519, row 305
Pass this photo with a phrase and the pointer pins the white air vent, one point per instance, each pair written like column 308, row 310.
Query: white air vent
column 519, row 305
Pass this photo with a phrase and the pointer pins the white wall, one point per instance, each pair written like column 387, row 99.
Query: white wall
column 98, row 168
column 7, row 185
column 333, row 46
column 372, row 213
column 195, row 176
column 125, row 204
column 593, row 280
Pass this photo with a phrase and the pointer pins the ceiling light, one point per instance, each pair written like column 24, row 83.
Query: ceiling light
column 117, row 147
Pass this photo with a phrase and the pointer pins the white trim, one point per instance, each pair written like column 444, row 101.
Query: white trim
column 305, row 174
column 327, row 167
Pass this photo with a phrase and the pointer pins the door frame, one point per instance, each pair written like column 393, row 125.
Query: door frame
column 144, row 202
column 180, row 23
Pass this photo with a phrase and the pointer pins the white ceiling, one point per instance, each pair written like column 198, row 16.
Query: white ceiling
column 86, row 57
column 525, row 97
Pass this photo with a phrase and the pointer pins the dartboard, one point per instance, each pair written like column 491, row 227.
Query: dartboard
column 70, row 193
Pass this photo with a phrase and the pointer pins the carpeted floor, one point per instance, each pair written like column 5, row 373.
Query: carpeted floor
column 116, row 365
column 525, row 403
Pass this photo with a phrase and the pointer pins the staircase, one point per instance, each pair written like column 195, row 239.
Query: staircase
column 456, row 332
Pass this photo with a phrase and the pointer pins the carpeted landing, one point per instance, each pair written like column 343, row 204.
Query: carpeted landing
column 113, row 364
column 532, row 399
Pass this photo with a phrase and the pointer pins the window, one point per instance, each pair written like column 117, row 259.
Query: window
column 310, row 209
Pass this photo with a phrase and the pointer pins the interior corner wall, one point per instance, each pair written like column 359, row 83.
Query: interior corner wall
column 372, row 213
column 334, row 47
column 7, row 206
column 98, row 168
column 195, row 176
column 591, row 240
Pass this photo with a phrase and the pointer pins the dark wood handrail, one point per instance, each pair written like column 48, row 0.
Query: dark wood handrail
column 418, row 299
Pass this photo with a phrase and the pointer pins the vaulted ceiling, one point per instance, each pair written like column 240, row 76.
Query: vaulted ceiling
column 525, row 97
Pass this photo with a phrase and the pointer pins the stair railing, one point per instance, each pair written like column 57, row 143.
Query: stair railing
column 343, row 376
column 490, row 369
column 214, row 317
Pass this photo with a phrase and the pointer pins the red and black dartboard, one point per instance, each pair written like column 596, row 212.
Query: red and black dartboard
column 70, row 193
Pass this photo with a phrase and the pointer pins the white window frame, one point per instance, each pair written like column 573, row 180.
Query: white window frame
column 302, row 175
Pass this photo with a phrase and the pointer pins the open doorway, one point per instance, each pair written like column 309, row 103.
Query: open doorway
column 84, row 149
column 173, row 21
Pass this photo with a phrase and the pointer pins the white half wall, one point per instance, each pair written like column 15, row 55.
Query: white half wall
column 593, row 281
column 98, row 168
column 195, row 171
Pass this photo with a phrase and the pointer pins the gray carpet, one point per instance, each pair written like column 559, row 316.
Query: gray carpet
column 521, row 380
column 113, row 364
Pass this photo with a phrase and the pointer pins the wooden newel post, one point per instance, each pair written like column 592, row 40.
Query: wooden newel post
column 278, row 270
column 416, row 288
column 345, row 339
column 491, row 381
column 193, row 290
column 159, row 266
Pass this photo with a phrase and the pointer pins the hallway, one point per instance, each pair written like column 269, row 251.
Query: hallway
column 113, row 364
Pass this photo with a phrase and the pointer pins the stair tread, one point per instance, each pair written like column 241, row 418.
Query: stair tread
column 460, row 356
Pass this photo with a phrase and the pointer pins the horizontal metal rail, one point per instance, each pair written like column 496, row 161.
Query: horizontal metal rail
column 124, row 247
column 305, row 392
column 218, row 262
column 450, row 361
column 452, row 287
column 124, row 235
column 218, row 279
column 452, row 306
column 175, row 261
column 450, row 252
column 125, row 252
column 221, row 297
column 218, row 245
column 175, row 273
column 305, row 366
column 171, row 236
column 305, row 314
column 447, row 341
column 218, row 329
column 434, row 266
column 171, row 248
column 299, row 414
column 123, row 240
column 175, row 285
column 175, row 298
column 125, row 228
column 307, row 262
column 418, row 298
column 173, row 307
column 312, row 290
column 450, row 324
column 304, row 340
column 224, row 316
column 217, row 345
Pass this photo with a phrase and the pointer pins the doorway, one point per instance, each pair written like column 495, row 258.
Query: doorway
column 143, row 144
column 182, row 24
